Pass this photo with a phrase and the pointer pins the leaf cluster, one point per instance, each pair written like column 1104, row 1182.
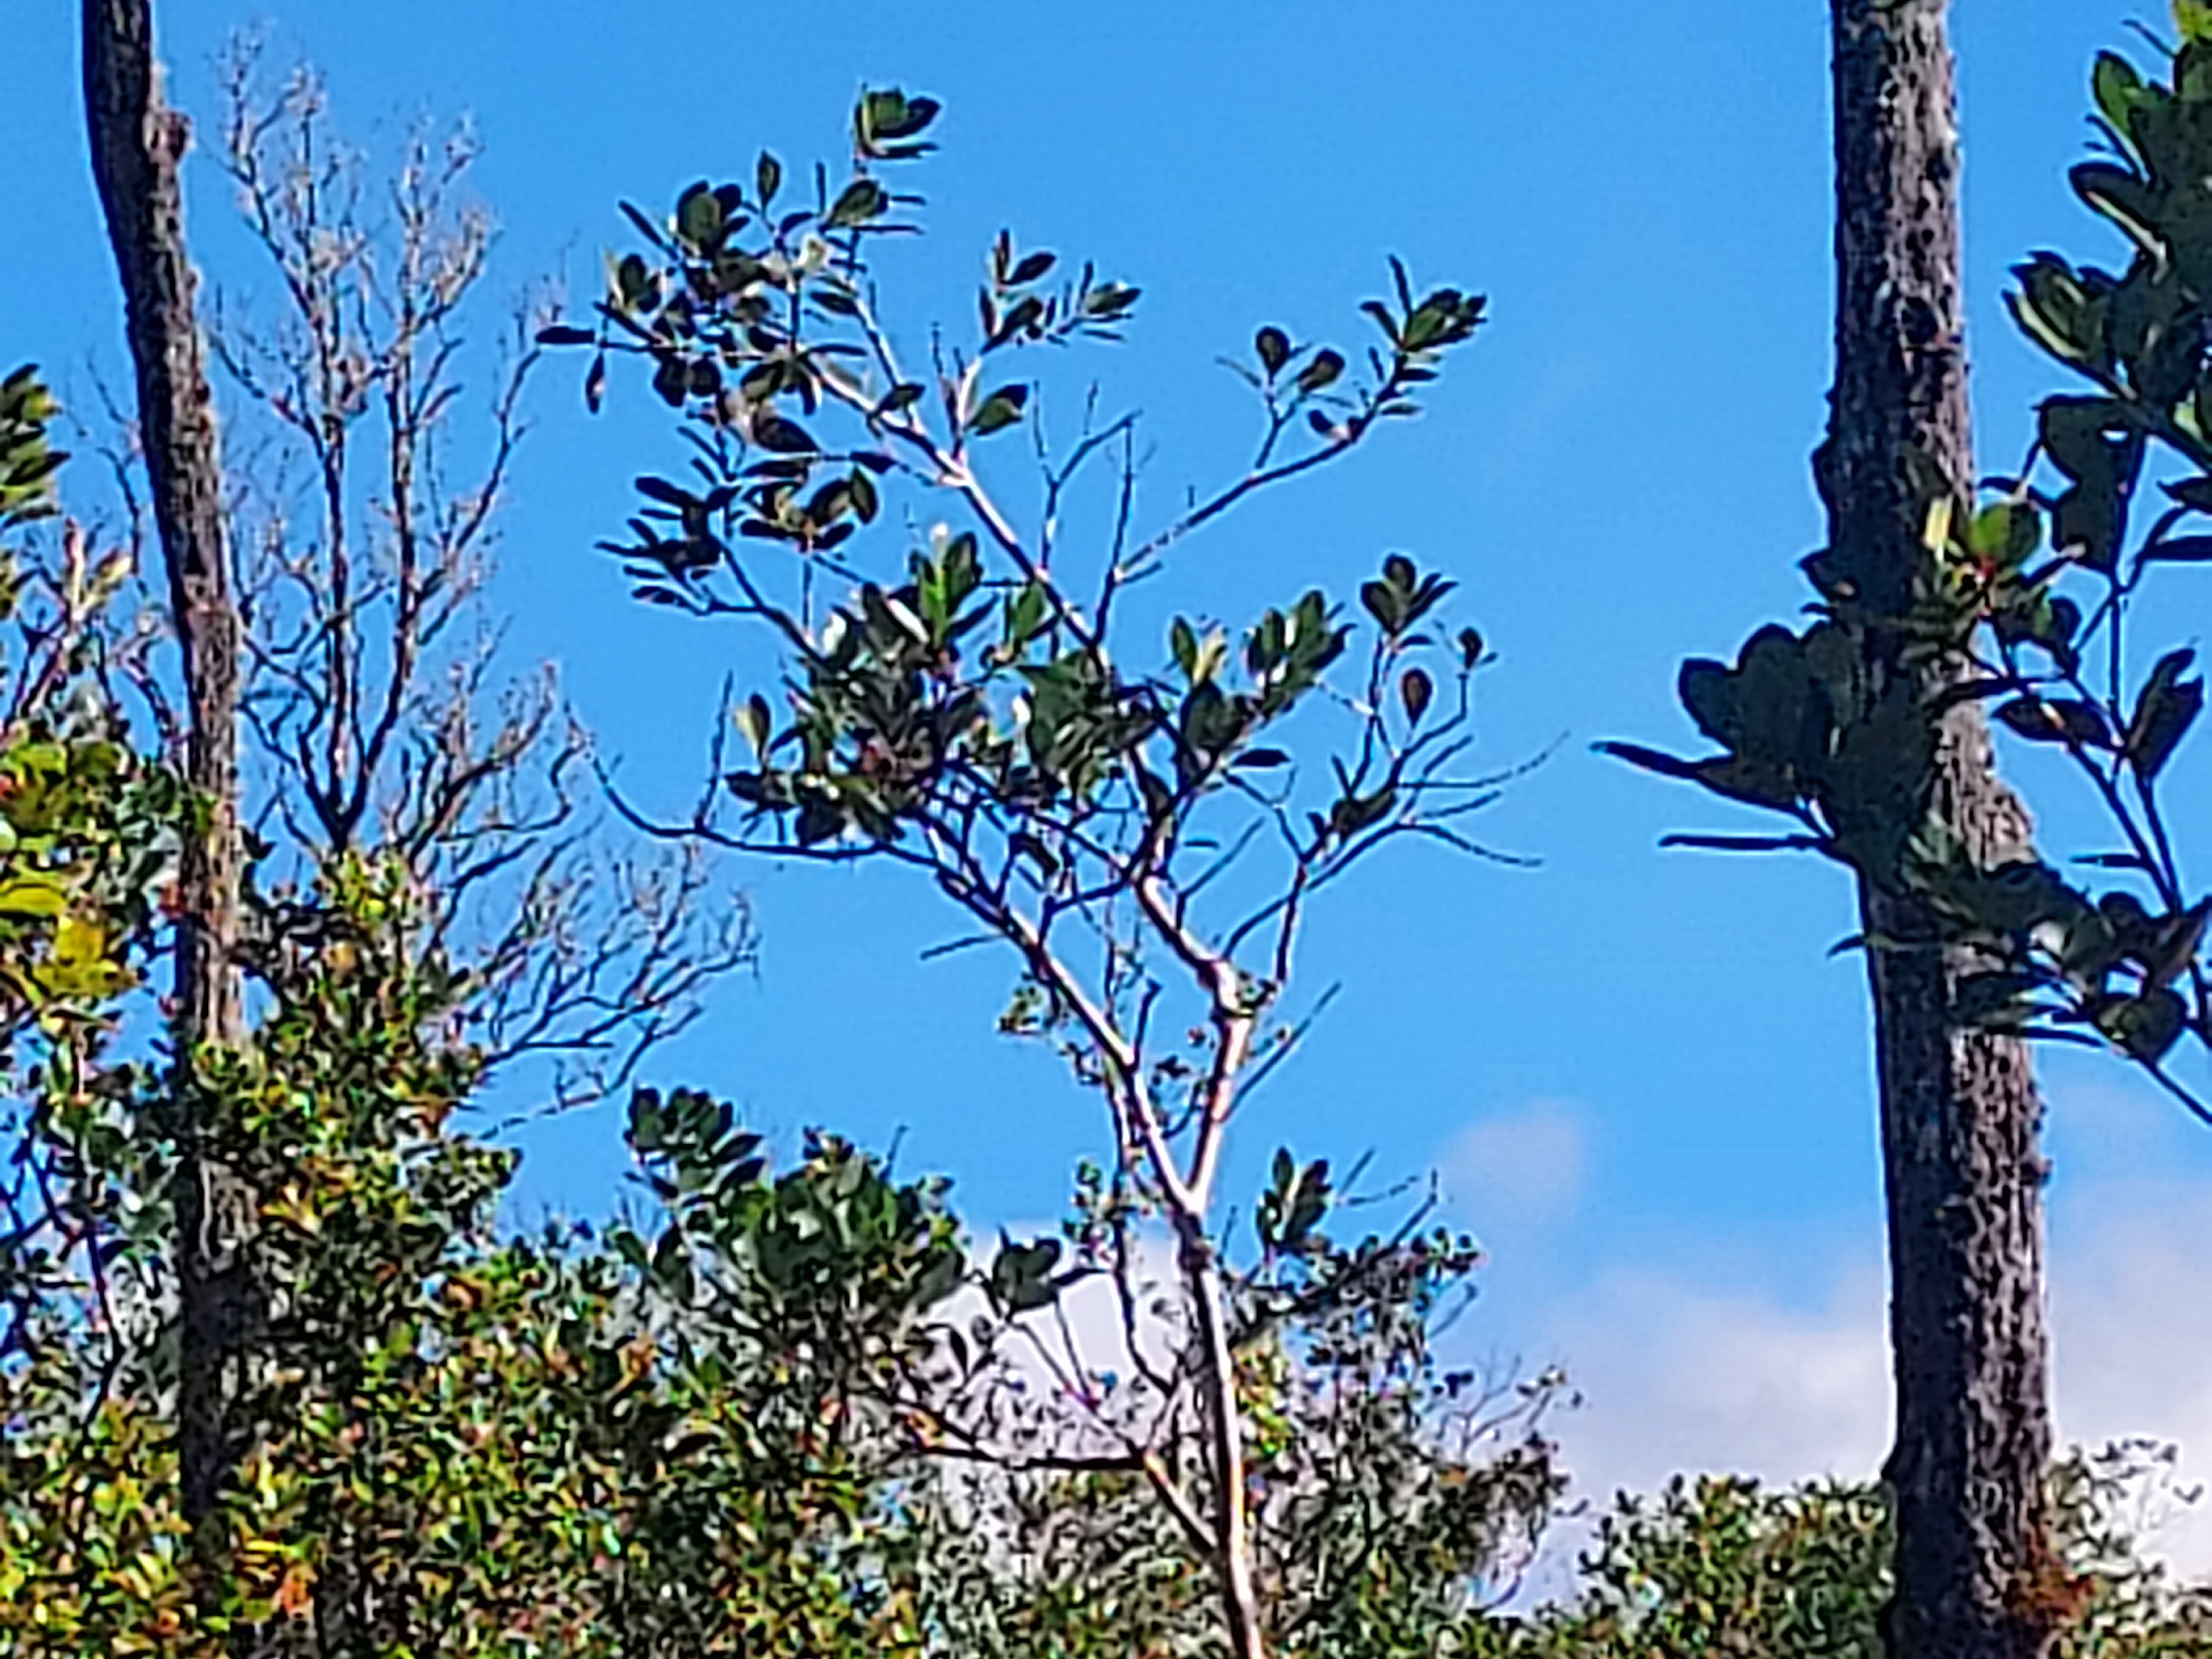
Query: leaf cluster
column 2023, row 601
column 2114, row 494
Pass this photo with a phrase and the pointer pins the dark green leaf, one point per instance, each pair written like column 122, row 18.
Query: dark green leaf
column 1324, row 371
column 1002, row 409
column 860, row 489
column 668, row 494
column 777, row 433
column 754, row 720
column 1652, row 760
column 2125, row 199
column 862, row 200
column 2145, row 1027
column 2051, row 306
column 2168, row 707
column 1416, row 690
column 2034, row 720
column 699, row 215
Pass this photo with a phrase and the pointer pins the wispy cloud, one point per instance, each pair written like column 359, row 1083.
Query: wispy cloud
column 1522, row 1167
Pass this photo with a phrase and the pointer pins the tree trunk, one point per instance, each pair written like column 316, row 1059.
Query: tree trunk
column 1959, row 1111
column 137, row 144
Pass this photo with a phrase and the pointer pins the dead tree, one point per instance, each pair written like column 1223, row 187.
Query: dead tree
column 137, row 144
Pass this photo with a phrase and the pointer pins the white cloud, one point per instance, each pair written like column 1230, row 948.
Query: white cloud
column 1683, row 1370
column 1679, row 1376
column 2131, row 1313
column 1522, row 1168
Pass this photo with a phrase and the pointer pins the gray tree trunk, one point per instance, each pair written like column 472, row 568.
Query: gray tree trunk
column 1959, row 1111
column 137, row 144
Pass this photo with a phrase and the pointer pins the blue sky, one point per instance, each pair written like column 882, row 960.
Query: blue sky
column 1626, row 1063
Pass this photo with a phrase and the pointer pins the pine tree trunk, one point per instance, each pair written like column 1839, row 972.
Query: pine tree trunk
column 136, row 145
column 1959, row 1111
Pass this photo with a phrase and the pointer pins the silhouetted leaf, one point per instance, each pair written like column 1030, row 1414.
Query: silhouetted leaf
column 1324, row 371
column 2167, row 707
column 1416, row 690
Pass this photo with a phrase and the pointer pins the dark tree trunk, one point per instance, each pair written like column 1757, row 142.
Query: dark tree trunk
column 1959, row 1111
column 137, row 144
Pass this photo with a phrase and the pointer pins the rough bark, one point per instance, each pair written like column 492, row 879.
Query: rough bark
column 137, row 144
column 1959, row 1111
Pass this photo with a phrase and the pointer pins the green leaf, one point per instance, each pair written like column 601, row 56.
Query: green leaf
column 905, row 395
column 1388, row 604
column 860, row 489
column 1416, row 690
column 2053, row 309
column 2065, row 719
column 1025, row 613
column 1323, row 372
column 754, row 721
column 1651, row 759
column 1022, row 1276
column 666, row 494
column 862, row 200
column 2005, row 533
column 1354, row 813
column 818, row 821
column 2126, row 200
column 699, row 215
column 891, row 114
column 2078, row 434
column 782, row 435
column 885, row 123
column 1109, row 299
column 2180, row 550
column 2117, row 89
column 1001, row 410
column 1182, row 643
column 2144, row 1027
column 2168, row 707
